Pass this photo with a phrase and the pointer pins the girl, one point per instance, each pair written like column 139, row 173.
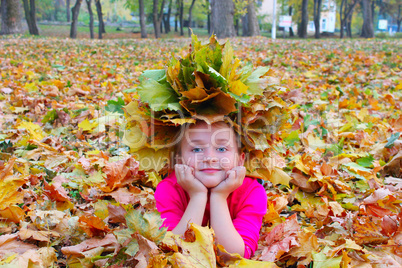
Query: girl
column 209, row 187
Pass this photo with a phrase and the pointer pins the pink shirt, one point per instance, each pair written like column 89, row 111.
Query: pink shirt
column 247, row 206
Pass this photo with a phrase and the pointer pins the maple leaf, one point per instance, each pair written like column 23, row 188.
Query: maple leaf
column 196, row 249
column 120, row 173
column 148, row 224
column 93, row 226
column 280, row 239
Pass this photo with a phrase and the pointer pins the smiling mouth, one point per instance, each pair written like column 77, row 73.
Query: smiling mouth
column 210, row 170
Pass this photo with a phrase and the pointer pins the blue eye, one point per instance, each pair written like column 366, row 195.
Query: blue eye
column 196, row 150
column 221, row 149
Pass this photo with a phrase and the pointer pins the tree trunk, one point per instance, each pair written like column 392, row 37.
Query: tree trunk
column 181, row 11
column 399, row 19
column 101, row 27
column 342, row 12
column 157, row 18
column 30, row 15
column 367, row 29
column 253, row 26
column 91, row 19
column 167, row 26
column 176, row 16
column 304, row 20
column 142, row 19
column 317, row 17
column 75, row 12
column 291, row 33
column 68, row 10
column 190, row 11
column 11, row 17
column 222, row 18
column 57, row 5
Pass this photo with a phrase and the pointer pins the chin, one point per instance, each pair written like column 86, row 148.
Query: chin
column 210, row 181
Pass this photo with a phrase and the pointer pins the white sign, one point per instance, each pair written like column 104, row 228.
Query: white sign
column 382, row 24
column 285, row 21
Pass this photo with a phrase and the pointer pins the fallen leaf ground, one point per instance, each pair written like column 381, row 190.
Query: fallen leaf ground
column 72, row 195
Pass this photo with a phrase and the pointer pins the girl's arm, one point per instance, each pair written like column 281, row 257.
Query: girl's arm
column 221, row 221
column 198, row 198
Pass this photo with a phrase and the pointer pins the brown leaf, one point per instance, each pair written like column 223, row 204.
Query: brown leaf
column 56, row 191
column 120, row 173
column 93, row 225
column 367, row 231
column 280, row 239
column 116, row 214
column 10, row 243
column 109, row 242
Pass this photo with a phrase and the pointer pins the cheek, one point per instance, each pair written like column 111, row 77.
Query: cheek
column 227, row 162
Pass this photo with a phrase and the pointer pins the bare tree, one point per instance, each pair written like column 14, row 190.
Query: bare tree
column 250, row 22
column 11, row 17
column 190, row 13
column 317, row 17
column 101, row 28
column 30, row 16
column 368, row 28
column 91, row 18
column 75, row 11
column 142, row 19
column 157, row 17
column 345, row 13
column 68, row 10
column 181, row 14
column 222, row 18
column 302, row 30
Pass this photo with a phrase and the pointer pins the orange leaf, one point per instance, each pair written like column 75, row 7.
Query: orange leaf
column 93, row 226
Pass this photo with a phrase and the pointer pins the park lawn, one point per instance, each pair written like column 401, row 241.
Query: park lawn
column 72, row 193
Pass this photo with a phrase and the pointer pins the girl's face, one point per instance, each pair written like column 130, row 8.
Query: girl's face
column 211, row 150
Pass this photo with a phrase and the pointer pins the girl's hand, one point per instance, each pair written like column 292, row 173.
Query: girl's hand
column 234, row 179
column 186, row 179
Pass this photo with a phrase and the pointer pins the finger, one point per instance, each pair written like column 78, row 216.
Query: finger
column 230, row 174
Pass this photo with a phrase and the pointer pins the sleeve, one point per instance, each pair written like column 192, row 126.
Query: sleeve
column 169, row 204
column 248, row 220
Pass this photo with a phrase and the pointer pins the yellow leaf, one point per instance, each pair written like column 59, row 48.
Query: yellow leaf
column 238, row 88
column 31, row 87
column 198, row 252
column 398, row 87
column 9, row 259
column 18, row 110
column 278, row 176
column 34, row 130
column 151, row 159
column 9, row 192
column 87, row 126
column 13, row 213
column 154, row 178
column 134, row 138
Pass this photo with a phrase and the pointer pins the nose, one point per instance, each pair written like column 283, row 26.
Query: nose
column 210, row 156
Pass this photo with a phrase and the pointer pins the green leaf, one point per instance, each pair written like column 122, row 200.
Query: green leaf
column 115, row 106
column 355, row 166
column 365, row 161
column 158, row 96
column 222, row 82
column 153, row 74
column 392, row 139
column 255, row 82
column 227, row 59
column 243, row 98
column 50, row 117
column 59, row 67
column 320, row 260
column 148, row 225
column 292, row 138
